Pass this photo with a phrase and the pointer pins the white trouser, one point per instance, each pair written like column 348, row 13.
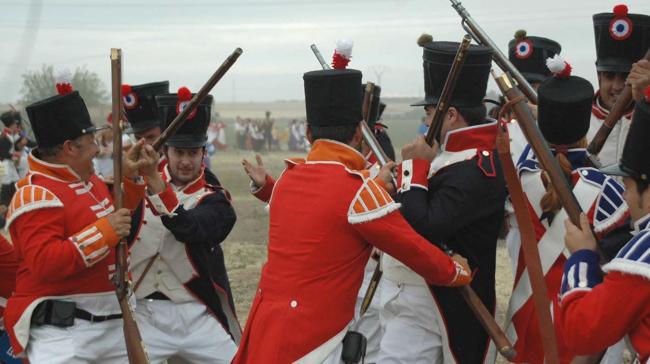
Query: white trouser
column 368, row 324
column 84, row 342
column 411, row 326
column 183, row 330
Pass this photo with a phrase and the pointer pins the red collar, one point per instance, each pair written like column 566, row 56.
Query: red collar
column 599, row 110
column 189, row 188
column 325, row 150
column 60, row 172
column 480, row 137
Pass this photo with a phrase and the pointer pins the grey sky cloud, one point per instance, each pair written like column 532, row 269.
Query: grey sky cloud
column 184, row 41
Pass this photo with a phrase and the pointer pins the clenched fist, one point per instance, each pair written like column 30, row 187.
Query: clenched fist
column 463, row 272
column 120, row 221
column 419, row 149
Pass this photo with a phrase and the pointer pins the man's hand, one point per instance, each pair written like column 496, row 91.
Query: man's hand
column 463, row 272
column 639, row 79
column 386, row 175
column 578, row 238
column 257, row 173
column 148, row 161
column 120, row 221
column 419, row 149
column 131, row 160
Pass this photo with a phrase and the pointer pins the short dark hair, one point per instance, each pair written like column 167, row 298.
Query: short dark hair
column 52, row 151
column 474, row 115
column 641, row 184
column 339, row 133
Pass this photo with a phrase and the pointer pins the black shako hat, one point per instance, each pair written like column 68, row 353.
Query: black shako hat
column 193, row 133
column 529, row 55
column 621, row 39
column 10, row 118
column 332, row 97
column 472, row 81
column 634, row 160
column 564, row 105
column 373, row 114
column 60, row 118
column 140, row 105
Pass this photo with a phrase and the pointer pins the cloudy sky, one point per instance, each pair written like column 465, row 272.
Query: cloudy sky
column 184, row 41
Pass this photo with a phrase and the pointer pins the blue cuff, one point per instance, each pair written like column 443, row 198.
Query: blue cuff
column 581, row 272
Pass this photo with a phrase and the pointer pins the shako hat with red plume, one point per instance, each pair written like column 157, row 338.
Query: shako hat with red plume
column 140, row 105
column 59, row 118
column 621, row 39
column 193, row 133
column 564, row 104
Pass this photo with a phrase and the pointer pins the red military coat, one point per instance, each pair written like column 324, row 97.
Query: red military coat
column 595, row 312
column 62, row 239
column 325, row 216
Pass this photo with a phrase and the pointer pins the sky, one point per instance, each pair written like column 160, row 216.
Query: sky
column 185, row 41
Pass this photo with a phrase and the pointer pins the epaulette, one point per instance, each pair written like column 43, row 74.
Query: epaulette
column 370, row 202
column 610, row 207
column 634, row 258
column 30, row 198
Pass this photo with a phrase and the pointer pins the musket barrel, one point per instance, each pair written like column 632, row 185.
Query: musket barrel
column 196, row 99
column 480, row 36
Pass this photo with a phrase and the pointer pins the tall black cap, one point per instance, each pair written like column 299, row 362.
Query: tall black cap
column 193, row 133
column 621, row 39
column 140, row 105
column 332, row 97
column 472, row 80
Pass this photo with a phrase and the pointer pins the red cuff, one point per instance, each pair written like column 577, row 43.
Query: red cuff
column 264, row 193
column 413, row 173
column 164, row 203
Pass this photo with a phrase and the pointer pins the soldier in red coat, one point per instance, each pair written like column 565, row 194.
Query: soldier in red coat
column 64, row 226
column 325, row 217
column 598, row 311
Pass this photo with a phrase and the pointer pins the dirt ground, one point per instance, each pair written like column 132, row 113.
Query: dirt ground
column 245, row 247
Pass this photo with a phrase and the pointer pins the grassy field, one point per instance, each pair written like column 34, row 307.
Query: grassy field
column 245, row 247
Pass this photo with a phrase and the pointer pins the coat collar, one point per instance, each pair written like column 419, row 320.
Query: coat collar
column 325, row 150
column 480, row 137
column 190, row 188
column 642, row 224
column 59, row 172
column 599, row 111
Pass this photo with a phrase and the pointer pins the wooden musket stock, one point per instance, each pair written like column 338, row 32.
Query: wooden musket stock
column 134, row 346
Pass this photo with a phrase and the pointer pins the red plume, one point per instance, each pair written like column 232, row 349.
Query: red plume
column 184, row 94
column 63, row 88
column 620, row 11
column 126, row 89
column 647, row 94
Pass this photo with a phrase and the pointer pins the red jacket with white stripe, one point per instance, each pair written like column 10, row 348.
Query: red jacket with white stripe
column 62, row 240
column 325, row 216
column 595, row 312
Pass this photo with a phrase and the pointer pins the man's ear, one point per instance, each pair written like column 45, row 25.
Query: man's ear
column 68, row 148
column 452, row 114
column 310, row 135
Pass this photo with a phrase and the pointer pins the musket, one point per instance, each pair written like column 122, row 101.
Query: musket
column 134, row 346
column 537, row 142
column 623, row 103
column 549, row 163
column 529, row 249
column 474, row 302
column 448, row 91
column 196, row 99
column 480, row 36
